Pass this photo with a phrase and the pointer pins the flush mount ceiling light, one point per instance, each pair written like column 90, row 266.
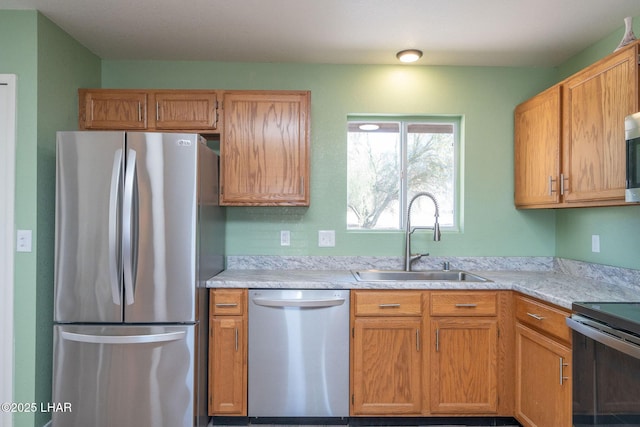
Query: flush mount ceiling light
column 368, row 126
column 409, row 55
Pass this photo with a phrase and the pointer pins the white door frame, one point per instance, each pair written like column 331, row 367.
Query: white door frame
column 7, row 232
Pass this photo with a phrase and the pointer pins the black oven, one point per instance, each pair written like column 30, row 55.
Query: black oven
column 606, row 364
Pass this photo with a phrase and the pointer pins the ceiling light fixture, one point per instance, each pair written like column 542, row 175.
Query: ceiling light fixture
column 409, row 55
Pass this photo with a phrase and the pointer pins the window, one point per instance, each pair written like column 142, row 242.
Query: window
column 389, row 161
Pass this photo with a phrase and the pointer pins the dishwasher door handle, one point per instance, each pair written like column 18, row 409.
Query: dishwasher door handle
column 314, row 303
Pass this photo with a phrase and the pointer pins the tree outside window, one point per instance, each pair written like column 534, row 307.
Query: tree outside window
column 394, row 160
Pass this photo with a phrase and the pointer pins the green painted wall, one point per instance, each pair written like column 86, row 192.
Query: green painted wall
column 50, row 66
column 484, row 96
column 18, row 53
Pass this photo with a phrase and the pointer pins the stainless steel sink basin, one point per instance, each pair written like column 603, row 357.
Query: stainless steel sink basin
column 428, row 275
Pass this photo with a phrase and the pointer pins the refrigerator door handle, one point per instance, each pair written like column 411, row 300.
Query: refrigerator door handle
column 123, row 339
column 129, row 228
column 114, row 197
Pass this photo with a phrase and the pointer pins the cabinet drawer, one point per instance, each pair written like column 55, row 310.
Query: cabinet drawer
column 387, row 303
column 547, row 319
column 229, row 302
column 476, row 303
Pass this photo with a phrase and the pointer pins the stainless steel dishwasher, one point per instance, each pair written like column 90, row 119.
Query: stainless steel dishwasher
column 298, row 353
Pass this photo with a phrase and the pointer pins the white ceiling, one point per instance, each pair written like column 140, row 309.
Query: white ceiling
column 450, row 32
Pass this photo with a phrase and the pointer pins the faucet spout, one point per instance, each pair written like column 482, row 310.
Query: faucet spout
column 408, row 258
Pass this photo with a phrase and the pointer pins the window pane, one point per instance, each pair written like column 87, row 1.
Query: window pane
column 373, row 177
column 430, row 168
column 391, row 161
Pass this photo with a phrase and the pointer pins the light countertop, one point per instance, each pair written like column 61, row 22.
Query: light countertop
column 551, row 286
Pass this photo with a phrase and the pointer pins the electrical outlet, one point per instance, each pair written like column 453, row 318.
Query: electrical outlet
column 326, row 238
column 285, row 238
column 595, row 243
column 23, row 240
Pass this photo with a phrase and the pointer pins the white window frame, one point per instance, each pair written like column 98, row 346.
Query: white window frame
column 7, row 200
column 403, row 121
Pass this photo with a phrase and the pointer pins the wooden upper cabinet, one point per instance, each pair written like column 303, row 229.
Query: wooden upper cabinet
column 184, row 110
column 596, row 102
column 537, row 149
column 112, row 109
column 265, row 148
column 148, row 109
column 569, row 140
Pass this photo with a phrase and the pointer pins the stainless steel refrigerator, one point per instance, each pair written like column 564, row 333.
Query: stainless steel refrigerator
column 138, row 232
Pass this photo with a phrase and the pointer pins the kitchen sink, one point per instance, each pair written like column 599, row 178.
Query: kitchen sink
column 425, row 275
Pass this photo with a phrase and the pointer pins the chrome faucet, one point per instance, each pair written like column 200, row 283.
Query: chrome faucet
column 408, row 258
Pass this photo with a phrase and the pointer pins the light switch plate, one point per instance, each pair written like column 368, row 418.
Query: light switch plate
column 285, row 238
column 326, row 238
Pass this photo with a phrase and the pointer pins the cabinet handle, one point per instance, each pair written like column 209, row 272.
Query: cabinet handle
column 535, row 316
column 157, row 111
column 437, row 340
column 466, row 305
column 551, row 181
column 139, row 111
column 562, row 365
column 226, row 304
column 418, row 340
column 236, row 339
column 562, row 180
column 388, row 305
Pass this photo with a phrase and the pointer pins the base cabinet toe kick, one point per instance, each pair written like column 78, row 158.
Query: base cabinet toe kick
column 379, row 353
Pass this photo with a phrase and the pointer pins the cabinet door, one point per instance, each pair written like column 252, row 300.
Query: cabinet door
column 186, row 110
column 387, row 367
column 227, row 366
column 464, row 374
column 543, row 380
column 596, row 102
column 265, row 149
column 113, row 109
column 537, row 149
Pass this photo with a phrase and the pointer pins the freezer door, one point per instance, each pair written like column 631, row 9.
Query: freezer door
column 88, row 267
column 159, row 227
column 123, row 376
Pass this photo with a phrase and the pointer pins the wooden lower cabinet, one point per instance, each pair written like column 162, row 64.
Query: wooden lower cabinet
column 387, row 353
column 439, row 353
column 543, row 365
column 228, row 352
column 387, row 366
column 464, row 371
